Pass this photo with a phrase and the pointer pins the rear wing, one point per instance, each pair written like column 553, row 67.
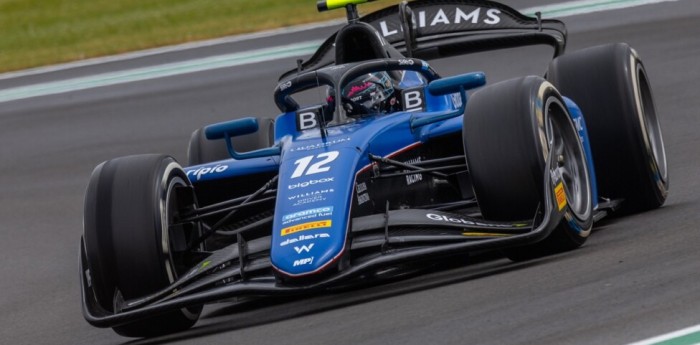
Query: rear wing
column 430, row 29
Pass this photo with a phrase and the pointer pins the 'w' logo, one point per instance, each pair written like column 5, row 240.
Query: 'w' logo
column 304, row 248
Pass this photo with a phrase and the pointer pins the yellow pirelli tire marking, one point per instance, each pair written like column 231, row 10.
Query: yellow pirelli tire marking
column 560, row 194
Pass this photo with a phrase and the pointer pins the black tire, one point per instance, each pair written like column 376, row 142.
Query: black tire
column 201, row 150
column 126, row 202
column 509, row 128
column 612, row 89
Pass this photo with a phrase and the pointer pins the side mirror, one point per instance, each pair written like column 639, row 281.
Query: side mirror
column 457, row 83
column 447, row 86
column 227, row 130
column 231, row 128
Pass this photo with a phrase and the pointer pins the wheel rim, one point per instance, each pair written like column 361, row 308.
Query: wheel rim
column 653, row 138
column 169, row 209
column 568, row 163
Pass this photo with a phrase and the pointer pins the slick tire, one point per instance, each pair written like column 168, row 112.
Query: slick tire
column 509, row 129
column 201, row 150
column 610, row 85
column 131, row 250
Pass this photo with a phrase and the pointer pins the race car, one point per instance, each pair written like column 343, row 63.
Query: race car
column 391, row 168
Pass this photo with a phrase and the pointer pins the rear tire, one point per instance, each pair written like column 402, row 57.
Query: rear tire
column 129, row 205
column 509, row 129
column 202, row 150
column 610, row 85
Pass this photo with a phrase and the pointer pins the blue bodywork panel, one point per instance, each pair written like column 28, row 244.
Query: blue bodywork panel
column 316, row 181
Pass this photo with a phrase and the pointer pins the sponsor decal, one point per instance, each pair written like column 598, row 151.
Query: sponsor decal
column 304, row 261
column 411, row 179
column 310, row 194
column 560, row 195
column 452, row 15
column 306, row 226
column 285, row 85
column 309, row 200
column 302, row 238
column 362, row 198
column 307, row 214
column 207, row 170
column 406, row 62
column 320, row 145
column 455, row 220
column 310, row 183
column 303, row 248
column 310, row 197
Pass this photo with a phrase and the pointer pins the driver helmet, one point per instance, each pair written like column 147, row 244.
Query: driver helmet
column 368, row 94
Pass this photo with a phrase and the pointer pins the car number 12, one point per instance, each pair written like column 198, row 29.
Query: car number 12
column 304, row 166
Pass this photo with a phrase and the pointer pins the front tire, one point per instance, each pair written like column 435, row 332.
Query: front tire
column 131, row 248
column 509, row 130
column 610, row 85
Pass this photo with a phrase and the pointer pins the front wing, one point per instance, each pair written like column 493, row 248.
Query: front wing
column 381, row 241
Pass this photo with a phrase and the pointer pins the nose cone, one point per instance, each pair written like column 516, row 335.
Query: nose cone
column 313, row 204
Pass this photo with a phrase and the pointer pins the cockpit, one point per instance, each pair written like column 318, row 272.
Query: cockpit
column 348, row 92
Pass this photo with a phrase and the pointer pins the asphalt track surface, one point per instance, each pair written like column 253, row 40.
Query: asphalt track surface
column 636, row 277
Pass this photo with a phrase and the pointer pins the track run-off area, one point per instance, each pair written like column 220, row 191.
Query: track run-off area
column 636, row 281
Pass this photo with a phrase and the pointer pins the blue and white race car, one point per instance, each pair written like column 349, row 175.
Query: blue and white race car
column 389, row 168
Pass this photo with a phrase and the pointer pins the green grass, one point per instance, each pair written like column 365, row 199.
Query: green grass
column 42, row 32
